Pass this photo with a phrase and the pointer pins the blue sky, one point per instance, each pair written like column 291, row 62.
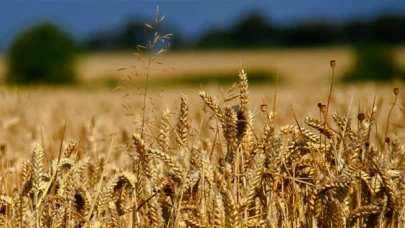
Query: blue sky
column 84, row 17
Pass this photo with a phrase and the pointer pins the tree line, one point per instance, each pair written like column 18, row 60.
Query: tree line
column 255, row 31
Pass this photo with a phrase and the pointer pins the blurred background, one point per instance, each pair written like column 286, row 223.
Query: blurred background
column 76, row 61
column 86, row 42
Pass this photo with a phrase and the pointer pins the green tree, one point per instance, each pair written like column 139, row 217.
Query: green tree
column 312, row 34
column 374, row 63
column 252, row 31
column 42, row 54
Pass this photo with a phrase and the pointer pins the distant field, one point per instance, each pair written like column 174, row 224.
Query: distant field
column 296, row 66
column 293, row 65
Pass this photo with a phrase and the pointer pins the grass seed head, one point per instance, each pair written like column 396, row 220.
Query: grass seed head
column 333, row 63
column 361, row 117
column 396, row 91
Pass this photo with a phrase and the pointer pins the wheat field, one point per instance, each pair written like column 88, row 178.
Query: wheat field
column 293, row 155
column 293, row 64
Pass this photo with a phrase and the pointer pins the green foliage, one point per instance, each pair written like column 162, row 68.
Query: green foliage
column 223, row 78
column 256, row 77
column 42, row 54
column 252, row 31
column 311, row 34
column 373, row 63
column 384, row 30
column 256, row 31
